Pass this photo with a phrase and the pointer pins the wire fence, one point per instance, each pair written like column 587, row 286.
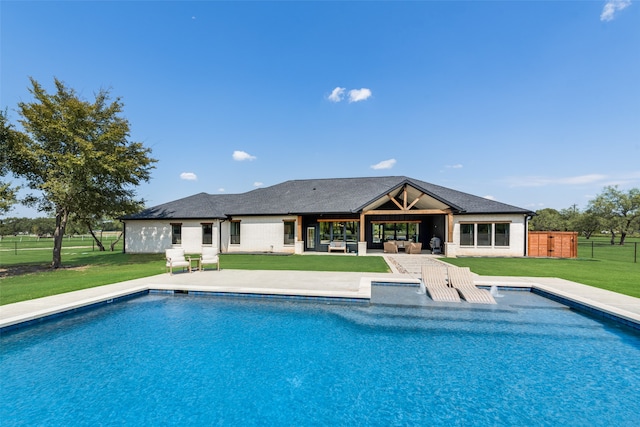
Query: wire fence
column 16, row 244
column 606, row 251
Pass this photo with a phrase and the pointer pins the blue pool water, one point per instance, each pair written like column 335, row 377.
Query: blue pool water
column 161, row 359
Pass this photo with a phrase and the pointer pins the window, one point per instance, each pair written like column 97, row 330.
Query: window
column 377, row 232
column 484, row 234
column 414, row 231
column 401, row 231
column 325, row 233
column 176, row 234
column 207, row 234
column 352, row 231
column 337, row 232
column 234, row 232
column 466, row 235
column 289, row 232
column 405, row 231
column 502, row 234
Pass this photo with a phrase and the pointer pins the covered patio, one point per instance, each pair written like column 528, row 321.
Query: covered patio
column 403, row 216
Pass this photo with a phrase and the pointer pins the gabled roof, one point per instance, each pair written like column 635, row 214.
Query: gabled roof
column 201, row 205
column 318, row 196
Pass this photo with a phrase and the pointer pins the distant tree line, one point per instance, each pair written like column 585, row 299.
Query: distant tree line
column 45, row 227
column 613, row 211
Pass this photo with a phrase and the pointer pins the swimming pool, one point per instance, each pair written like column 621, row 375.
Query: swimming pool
column 188, row 360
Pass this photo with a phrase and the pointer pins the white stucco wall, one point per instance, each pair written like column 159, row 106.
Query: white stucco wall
column 517, row 236
column 155, row 236
column 147, row 236
column 259, row 234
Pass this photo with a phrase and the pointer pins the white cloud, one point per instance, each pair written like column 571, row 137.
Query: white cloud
column 488, row 197
column 336, row 94
column 582, row 179
column 356, row 95
column 457, row 166
column 385, row 164
column 188, row 176
column 241, row 156
column 258, row 184
column 541, row 181
column 612, row 7
column 221, row 190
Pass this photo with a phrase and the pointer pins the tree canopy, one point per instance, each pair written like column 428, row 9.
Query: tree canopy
column 78, row 156
column 619, row 210
column 548, row 219
column 7, row 193
column 614, row 210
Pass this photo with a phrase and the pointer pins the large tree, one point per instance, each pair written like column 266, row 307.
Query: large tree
column 548, row 219
column 588, row 223
column 78, row 156
column 619, row 210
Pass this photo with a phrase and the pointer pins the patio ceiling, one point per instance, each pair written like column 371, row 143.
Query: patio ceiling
column 407, row 197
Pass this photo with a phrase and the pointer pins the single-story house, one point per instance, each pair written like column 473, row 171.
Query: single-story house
column 308, row 215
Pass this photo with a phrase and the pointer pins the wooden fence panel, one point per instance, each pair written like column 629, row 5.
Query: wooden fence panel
column 557, row 244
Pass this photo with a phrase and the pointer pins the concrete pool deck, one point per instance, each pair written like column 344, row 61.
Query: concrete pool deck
column 328, row 285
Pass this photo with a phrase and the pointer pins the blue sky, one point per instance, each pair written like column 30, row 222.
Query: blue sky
column 531, row 103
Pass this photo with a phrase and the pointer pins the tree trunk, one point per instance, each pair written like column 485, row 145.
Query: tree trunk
column 613, row 237
column 623, row 236
column 98, row 242
column 58, row 235
column 115, row 242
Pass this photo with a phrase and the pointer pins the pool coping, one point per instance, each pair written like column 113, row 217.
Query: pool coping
column 321, row 286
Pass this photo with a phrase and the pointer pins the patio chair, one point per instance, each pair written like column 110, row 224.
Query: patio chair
column 390, row 248
column 209, row 256
column 176, row 258
column 414, row 248
column 337, row 245
column 462, row 280
column 435, row 282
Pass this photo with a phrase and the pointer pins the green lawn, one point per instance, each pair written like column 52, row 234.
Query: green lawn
column 622, row 277
column 80, row 272
column 25, row 245
column 89, row 269
column 86, row 268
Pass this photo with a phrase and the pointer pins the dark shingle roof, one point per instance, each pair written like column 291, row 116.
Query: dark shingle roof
column 201, row 205
column 315, row 196
column 467, row 203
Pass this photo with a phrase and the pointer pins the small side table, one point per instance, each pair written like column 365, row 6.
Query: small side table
column 191, row 260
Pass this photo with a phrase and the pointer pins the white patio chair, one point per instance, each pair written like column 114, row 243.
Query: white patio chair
column 176, row 258
column 209, row 256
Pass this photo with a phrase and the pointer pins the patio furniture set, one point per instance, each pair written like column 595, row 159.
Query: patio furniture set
column 409, row 247
column 176, row 258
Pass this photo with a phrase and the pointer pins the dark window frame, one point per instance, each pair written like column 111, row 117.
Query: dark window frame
column 176, row 238
column 205, row 233
column 289, row 236
column 234, row 232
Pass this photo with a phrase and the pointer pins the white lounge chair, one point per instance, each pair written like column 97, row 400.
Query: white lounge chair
column 209, row 256
column 435, row 282
column 176, row 258
column 462, row 280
